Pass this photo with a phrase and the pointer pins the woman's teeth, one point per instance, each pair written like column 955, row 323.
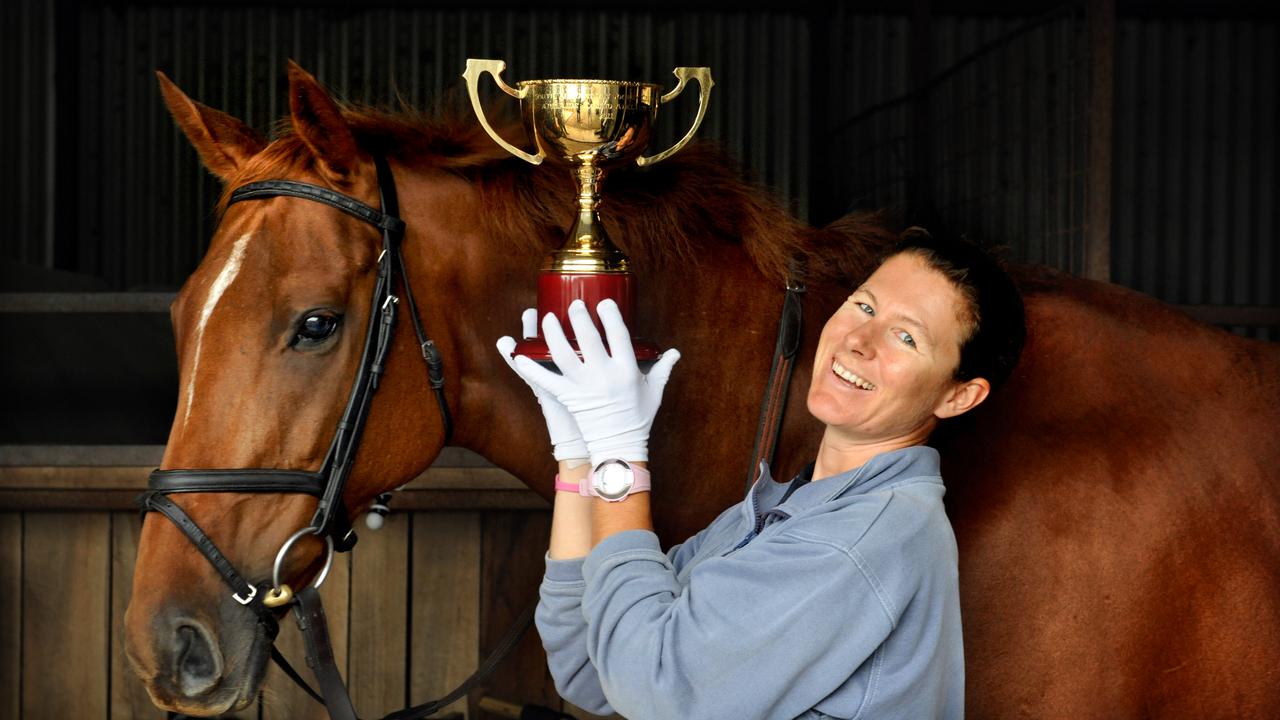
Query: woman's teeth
column 847, row 374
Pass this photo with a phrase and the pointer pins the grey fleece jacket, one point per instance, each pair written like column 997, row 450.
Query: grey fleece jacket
column 842, row 601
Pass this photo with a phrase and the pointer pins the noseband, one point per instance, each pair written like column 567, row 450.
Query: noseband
column 331, row 520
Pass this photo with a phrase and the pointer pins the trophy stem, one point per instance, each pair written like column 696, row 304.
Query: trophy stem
column 588, row 248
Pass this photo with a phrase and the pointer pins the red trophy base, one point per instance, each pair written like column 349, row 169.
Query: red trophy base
column 557, row 289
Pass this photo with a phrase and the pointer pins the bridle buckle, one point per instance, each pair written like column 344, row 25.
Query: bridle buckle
column 253, row 593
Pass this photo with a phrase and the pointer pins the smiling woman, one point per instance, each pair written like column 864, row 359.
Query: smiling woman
column 832, row 596
column 925, row 338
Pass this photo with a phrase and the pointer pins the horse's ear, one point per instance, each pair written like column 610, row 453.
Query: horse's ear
column 224, row 143
column 319, row 122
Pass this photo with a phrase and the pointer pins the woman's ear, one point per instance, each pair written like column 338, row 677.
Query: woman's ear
column 961, row 397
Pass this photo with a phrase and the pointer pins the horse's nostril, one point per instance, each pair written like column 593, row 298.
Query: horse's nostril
column 196, row 661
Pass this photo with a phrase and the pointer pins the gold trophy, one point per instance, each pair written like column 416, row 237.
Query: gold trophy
column 587, row 126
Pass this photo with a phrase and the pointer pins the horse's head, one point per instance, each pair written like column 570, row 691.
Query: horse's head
column 270, row 330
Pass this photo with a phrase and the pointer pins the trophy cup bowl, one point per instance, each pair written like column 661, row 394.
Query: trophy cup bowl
column 587, row 126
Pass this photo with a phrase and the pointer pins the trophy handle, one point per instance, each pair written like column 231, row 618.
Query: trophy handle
column 705, row 83
column 476, row 68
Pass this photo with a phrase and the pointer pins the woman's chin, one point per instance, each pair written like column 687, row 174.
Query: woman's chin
column 835, row 409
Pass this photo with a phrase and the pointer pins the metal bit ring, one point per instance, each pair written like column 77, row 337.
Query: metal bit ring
column 284, row 550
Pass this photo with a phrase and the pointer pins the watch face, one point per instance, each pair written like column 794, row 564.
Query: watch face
column 612, row 480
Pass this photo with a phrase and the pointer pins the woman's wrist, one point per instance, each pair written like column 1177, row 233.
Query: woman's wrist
column 571, row 519
column 572, row 472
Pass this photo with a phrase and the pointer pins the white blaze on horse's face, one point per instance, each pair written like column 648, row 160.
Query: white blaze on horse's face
column 225, row 277
column 888, row 355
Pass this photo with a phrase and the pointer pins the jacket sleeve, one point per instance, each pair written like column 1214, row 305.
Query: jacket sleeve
column 564, row 629
column 564, row 636
column 681, row 554
column 766, row 631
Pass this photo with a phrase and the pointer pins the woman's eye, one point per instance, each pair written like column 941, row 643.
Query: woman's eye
column 316, row 328
column 866, row 308
column 905, row 337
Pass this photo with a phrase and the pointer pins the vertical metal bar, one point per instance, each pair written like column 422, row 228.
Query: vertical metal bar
column 919, row 190
column 801, row 77
column 1172, row 229
column 1101, row 18
column 1197, row 143
column 1146, row 196
column 1268, row 159
column 26, row 94
column 1243, row 130
column 51, row 121
column 65, row 233
column 1220, row 223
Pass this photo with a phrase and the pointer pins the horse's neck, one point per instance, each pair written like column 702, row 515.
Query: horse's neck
column 717, row 308
column 477, row 287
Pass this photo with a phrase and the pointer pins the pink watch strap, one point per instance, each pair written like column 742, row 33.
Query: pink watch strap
column 563, row 486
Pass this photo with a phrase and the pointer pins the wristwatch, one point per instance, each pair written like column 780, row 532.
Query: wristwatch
column 614, row 480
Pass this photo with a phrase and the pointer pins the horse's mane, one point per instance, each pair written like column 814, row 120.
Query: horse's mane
column 658, row 215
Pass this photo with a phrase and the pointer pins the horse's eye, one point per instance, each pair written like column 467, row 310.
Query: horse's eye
column 316, row 328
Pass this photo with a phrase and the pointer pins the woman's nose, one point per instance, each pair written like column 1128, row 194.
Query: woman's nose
column 861, row 339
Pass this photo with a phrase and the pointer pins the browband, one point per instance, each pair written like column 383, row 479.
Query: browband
column 349, row 205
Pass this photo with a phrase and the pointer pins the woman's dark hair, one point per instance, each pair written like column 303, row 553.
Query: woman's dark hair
column 996, row 321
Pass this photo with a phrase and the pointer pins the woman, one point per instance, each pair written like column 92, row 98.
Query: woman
column 833, row 595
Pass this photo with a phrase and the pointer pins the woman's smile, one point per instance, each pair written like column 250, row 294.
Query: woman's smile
column 850, row 377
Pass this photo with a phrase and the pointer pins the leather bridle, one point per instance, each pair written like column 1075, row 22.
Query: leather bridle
column 331, row 520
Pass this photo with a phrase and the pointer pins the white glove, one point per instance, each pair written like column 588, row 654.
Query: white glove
column 612, row 402
column 566, row 440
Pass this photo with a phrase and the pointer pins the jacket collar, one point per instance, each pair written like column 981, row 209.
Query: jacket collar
column 918, row 462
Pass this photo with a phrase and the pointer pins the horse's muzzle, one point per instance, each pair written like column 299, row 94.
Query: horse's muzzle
column 193, row 674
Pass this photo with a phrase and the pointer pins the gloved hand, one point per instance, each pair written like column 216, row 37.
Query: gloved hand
column 612, row 402
column 566, row 440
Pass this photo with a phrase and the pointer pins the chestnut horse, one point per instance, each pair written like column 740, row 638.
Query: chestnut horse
column 1116, row 506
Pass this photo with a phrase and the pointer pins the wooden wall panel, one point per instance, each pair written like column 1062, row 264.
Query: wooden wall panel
column 281, row 698
column 380, row 617
column 445, row 628
column 513, row 547
column 10, row 614
column 129, row 699
column 418, row 604
column 66, row 600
